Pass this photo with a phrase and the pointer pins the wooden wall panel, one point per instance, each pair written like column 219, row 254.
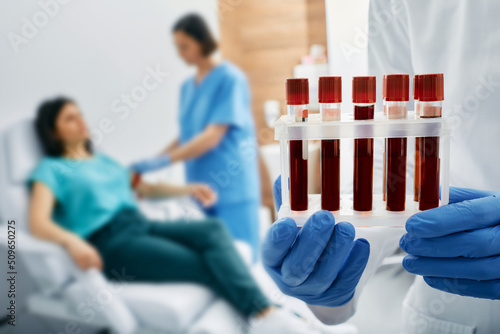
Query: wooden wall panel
column 316, row 18
column 266, row 39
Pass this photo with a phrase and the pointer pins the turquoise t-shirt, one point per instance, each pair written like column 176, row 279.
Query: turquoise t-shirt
column 88, row 192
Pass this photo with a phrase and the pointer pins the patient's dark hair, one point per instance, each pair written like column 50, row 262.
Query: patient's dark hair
column 195, row 26
column 45, row 126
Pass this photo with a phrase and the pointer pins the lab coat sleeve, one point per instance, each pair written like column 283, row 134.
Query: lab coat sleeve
column 335, row 315
column 383, row 243
column 389, row 45
column 231, row 103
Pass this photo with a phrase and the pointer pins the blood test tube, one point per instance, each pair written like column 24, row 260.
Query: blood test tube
column 136, row 179
column 416, row 178
column 364, row 97
column 416, row 93
column 397, row 96
column 330, row 97
column 431, row 98
column 384, row 83
column 297, row 99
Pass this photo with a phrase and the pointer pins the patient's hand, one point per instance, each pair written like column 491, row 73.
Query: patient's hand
column 203, row 193
column 84, row 254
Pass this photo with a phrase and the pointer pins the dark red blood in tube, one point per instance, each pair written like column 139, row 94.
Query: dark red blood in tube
column 384, row 169
column 136, row 179
column 297, row 97
column 416, row 183
column 431, row 92
column 330, row 91
column 298, row 176
column 397, row 94
column 363, row 164
column 429, row 173
column 396, row 174
column 330, row 175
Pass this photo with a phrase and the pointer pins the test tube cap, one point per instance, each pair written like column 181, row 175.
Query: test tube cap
column 364, row 89
column 330, row 90
column 297, row 91
column 416, row 86
column 397, row 87
column 431, row 87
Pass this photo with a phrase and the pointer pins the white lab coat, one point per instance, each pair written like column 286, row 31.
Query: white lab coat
column 460, row 38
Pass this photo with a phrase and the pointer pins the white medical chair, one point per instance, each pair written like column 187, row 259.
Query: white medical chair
column 87, row 298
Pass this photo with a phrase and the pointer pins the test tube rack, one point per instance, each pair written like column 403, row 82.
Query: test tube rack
column 348, row 128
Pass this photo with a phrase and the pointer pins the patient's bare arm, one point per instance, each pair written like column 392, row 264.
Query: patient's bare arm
column 42, row 226
column 201, row 192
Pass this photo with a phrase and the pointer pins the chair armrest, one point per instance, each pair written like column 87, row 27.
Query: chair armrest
column 31, row 246
column 52, row 267
column 49, row 265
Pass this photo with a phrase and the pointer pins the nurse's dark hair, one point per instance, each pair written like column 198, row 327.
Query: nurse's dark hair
column 45, row 126
column 196, row 27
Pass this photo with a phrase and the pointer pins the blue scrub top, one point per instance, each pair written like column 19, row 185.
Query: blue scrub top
column 222, row 97
column 88, row 192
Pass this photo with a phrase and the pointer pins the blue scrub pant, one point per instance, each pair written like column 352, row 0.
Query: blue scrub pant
column 242, row 220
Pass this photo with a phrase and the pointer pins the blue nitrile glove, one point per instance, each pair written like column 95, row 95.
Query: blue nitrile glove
column 456, row 247
column 319, row 263
column 150, row 165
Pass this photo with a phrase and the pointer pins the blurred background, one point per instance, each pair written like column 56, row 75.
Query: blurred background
column 99, row 52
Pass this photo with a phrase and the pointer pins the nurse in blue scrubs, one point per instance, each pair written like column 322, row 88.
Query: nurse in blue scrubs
column 217, row 134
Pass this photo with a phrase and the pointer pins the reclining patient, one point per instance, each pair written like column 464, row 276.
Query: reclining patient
column 84, row 201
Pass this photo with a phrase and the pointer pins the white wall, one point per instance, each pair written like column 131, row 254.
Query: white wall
column 95, row 51
column 347, row 26
column 347, row 42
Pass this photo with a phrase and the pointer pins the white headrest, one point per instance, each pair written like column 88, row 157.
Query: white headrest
column 23, row 150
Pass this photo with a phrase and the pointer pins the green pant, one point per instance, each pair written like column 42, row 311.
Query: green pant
column 136, row 249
